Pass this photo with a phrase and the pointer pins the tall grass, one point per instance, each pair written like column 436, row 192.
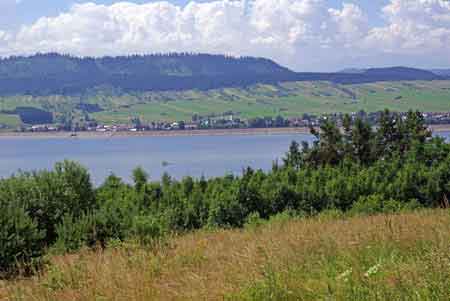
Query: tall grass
column 385, row 257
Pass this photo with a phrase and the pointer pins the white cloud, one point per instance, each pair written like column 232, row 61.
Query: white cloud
column 302, row 34
column 3, row 42
column 414, row 27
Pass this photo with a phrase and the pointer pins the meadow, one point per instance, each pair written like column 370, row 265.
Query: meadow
column 288, row 99
column 329, row 257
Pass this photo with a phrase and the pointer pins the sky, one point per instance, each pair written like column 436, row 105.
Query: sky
column 304, row 35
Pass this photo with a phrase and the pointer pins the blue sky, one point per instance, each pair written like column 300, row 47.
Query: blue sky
column 310, row 35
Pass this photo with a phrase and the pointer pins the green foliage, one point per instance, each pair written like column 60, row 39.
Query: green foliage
column 375, row 204
column 73, row 233
column 21, row 242
column 148, row 228
column 253, row 221
column 355, row 171
column 140, row 178
column 371, row 204
column 47, row 196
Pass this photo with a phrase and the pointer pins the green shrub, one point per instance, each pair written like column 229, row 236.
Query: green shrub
column 148, row 228
column 375, row 204
column 114, row 219
column 372, row 204
column 21, row 243
column 330, row 214
column 73, row 233
column 253, row 221
column 226, row 210
column 47, row 196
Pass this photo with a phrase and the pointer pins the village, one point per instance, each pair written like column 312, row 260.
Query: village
column 224, row 122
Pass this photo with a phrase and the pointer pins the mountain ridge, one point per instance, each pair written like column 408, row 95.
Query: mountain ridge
column 52, row 73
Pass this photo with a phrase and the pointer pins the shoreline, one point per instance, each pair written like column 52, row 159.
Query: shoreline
column 159, row 133
column 176, row 133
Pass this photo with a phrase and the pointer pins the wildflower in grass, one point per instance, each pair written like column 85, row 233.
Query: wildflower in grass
column 372, row 270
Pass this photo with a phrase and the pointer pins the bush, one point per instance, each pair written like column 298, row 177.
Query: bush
column 47, row 196
column 371, row 204
column 73, row 233
column 114, row 219
column 330, row 214
column 374, row 204
column 226, row 211
column 253, row 221
column 148, row 228
column 21, row 243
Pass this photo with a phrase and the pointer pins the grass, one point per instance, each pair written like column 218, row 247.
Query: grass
column 386, row 257
column 287, row 99
column 10, row 120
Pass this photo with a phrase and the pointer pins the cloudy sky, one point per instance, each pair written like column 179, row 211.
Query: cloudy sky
column 305, row 35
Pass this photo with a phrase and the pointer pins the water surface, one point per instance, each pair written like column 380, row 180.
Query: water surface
column 186, row 155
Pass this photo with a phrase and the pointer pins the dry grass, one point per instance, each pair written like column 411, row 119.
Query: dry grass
column 376, row 257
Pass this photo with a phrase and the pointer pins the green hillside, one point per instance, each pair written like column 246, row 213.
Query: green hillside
column 286, row 99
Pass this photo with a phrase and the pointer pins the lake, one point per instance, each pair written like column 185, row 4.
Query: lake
column 185, row 155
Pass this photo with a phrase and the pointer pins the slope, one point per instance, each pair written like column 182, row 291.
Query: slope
column 386, row 257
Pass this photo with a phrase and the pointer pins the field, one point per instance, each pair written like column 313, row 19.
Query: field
column 10, row 120
column 285, row 99
column 385, row 257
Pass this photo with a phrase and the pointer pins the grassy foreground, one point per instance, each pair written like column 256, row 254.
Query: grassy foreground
column 385, row 257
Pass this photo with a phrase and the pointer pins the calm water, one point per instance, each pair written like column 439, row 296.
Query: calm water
column 195, row 156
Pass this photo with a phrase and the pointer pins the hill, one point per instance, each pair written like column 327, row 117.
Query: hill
column 47, row 74
column 442, row 72
column 386, row 257
column 353, row 70
column 288, row 99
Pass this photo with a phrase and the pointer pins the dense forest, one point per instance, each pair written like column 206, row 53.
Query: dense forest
column 356, row 169
column 47, row 74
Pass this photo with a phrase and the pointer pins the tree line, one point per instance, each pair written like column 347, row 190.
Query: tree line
column 47, row 74
column 355, row 169
column 52, row 73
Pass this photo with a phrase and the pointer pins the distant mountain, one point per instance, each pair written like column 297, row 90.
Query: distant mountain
column 45, row 74
column 402, row 73
column 352, row 71
column 371, row 75
column 441, row 72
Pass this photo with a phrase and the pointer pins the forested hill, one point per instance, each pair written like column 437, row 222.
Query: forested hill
column 61, row 74
column 52, row 73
